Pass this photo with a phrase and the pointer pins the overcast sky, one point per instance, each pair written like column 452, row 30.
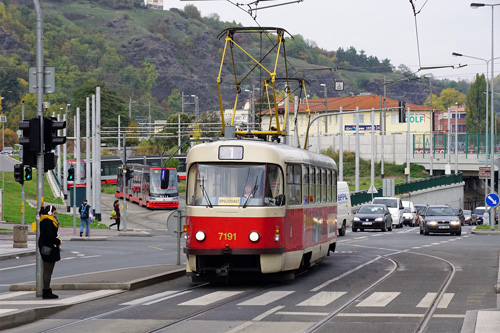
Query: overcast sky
column 382, row 28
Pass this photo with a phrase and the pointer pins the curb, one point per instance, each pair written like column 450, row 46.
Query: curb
column 17, row 255
column 130, row 285
column 24, row 317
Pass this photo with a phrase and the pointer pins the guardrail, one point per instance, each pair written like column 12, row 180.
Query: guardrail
column 361, row 197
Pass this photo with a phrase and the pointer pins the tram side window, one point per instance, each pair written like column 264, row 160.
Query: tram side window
column 305, row 184
column 334, row 186
column 329, row 188
column 312, row 185
column 318, row 185
column 324, row 186
column 294, row 175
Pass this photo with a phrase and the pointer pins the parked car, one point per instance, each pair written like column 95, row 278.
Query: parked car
column 460, row 213
column 372, row 216
column 395, row 206
column 479, row 211
column 470, row 218
column 440, row 219
column 8, row 151
column 409, row 214
column 344, row 210
column 420, row 208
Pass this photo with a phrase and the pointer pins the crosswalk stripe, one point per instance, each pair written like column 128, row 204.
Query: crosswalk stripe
column 267, row 298
column 379, row 299
column 150, row 298
column 211, row 298
column 429, row 297
column 322, row 298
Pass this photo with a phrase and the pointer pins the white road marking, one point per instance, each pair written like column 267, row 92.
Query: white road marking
column 322, row 298
column 402, row 315
column 267, row 298
column 322, row 314
column 344, row 274
column 14, row 267
column 167, row 297
column 211, row 298
column 88, row 257
column 69, row 300
column 379, row 299
column 429, row 297
column 150, row 298
column 256, row 319
column 14, row 294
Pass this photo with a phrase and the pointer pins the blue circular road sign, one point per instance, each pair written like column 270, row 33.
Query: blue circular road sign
column 492, row 200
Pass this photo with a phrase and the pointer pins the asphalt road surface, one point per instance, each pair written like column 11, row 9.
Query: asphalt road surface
column 397, row 281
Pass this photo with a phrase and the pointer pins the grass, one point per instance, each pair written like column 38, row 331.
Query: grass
column 485, row 227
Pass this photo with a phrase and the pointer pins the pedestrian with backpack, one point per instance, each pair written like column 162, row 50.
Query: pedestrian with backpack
column 84, row 211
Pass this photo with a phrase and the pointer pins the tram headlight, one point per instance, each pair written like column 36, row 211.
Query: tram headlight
column 200, row 236
column 254, row 236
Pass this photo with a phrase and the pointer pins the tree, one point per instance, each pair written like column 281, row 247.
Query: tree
column 449, row 97
column 185, row 130
column 174, row 102
column 475, row 105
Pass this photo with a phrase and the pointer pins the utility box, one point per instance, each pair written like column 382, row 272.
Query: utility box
column 81, row 192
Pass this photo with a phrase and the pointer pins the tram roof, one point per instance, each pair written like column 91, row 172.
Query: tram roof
column 258, row 151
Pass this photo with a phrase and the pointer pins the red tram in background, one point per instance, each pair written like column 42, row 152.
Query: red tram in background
column 148, row 189
column 258, row 207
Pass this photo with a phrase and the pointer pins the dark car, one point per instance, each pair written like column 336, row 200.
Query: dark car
column 479, row 211
column 460, row 213
column 470, row 218
column 420, row 209
column 372, row 216
column 440, row 219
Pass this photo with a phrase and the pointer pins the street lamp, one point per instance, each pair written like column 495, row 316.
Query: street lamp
column 475, row 5
column 326, row 111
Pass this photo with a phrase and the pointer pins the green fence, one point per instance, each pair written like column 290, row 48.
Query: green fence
column 361, row 197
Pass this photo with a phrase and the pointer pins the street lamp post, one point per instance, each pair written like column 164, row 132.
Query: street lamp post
column 492, row 136
column 326, row 110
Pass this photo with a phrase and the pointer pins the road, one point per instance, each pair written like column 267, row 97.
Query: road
column 397, row 281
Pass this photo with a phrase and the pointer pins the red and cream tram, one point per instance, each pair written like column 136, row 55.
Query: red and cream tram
column 146, row 188
column 255, row 206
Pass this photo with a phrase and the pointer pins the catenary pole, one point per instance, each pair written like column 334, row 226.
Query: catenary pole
column 88, row 172
column 341, row 146
column 97, row 207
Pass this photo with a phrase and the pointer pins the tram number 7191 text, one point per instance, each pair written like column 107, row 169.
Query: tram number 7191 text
column 227, row 236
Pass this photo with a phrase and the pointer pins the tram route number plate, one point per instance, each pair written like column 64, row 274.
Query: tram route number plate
column 229, row 201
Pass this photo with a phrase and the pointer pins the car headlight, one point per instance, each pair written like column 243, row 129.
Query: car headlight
column 454, row 222
column 379, row 219
column 432, row 223
column 200, row 236
column 254, row 236
column 356, row 219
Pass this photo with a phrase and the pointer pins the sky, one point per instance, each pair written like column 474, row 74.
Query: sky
column 382, row 28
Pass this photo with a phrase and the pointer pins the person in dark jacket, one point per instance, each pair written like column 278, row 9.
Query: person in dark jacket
column 116, row 207
column 49, row 245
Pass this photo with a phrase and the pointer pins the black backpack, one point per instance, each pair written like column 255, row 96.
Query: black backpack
column 84, row 213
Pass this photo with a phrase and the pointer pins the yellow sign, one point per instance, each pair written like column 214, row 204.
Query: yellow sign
column 33, row 226
column 229, row 201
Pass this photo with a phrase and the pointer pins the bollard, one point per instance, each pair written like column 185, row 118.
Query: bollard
column 20, row 236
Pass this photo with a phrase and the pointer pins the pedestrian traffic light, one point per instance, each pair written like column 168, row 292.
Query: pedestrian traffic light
column 18, row 173
column 30, row 140
column 51, row 139
column 402, row 111
column 71, row 174
column 28, row 173
column 128, row 173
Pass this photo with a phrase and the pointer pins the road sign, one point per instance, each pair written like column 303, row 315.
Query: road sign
column 492, row 200
column 19, row 132
column 372, row 189
column 484, row 172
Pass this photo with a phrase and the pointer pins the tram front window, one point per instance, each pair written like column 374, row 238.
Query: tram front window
column 235, row 185
column 155, row 184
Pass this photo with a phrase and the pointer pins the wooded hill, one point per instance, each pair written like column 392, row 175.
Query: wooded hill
column 144, row 56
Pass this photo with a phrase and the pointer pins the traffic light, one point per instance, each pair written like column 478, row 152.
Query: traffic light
column 28, row 173
column 402, row 111
column 18, row 173
column 51, row 139
column 71, row 174
column 128, row 173
column 30, row 140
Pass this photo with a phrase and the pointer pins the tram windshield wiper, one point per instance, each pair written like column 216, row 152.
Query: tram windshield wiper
column 255, row 187
column 205, row 194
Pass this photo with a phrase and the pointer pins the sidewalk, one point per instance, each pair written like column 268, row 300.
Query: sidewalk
column 21, row 306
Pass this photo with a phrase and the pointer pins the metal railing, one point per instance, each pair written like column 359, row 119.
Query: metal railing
column 361, row 197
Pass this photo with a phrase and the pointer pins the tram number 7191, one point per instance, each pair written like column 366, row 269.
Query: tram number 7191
column 227, row 236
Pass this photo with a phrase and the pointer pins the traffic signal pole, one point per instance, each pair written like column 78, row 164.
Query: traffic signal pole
column 40, row 159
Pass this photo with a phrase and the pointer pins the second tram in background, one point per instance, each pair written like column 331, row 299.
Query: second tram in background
column 110, row 166
column 148, row 189
column 258, row 207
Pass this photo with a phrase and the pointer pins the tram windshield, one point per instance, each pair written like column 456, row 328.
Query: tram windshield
column 155, row 183
column 235, row 184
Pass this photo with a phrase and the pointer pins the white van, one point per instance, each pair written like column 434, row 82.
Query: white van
column 409, row 214
column 344, row 212
column 396, row 208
